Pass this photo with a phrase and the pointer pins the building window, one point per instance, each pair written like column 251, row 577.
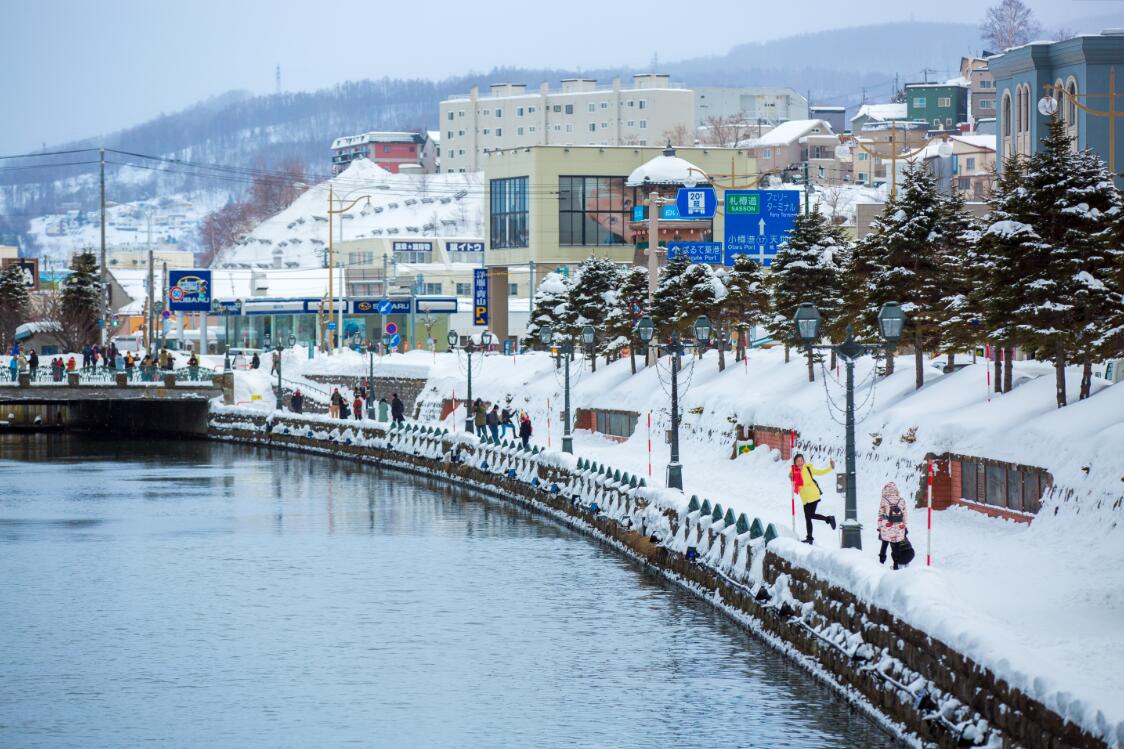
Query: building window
column 460, row 133
column 643, row 124
column 919, row 102
column 631, row 103
column 460, row 113
column 450, row 115
column 360, row 258
column 450, row 134
column 936, row 122
column 499, row 113
column 964, row 184
column 530, row 110
column 569, row 109
column 617, row 423
column 592, row 107
column 487, row 131
column 413, row 252
column 518, row 131
column 432, row 288
column 557, row 128
column 569, row 127
column 630, row 123
column 519, row 111
column 643, row 104
column 593, row 127
column 513, row 289
column 1007, row 114
column 944, row 101
column 987, row 103
column 464, row 289
column 593, row 211
column 557, row 108
column 604, row 105
column 499, row 131
column 970, row 163
column 508, row 212
column 604, row 125
column 532, row 128
column 766, row 153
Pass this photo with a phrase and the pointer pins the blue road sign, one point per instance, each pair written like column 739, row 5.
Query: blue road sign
column 395, row 340
column 189, row 290
column 696, row 202
column 697, row 252
column 332, row 325
column 758, row 222
column 384, row 307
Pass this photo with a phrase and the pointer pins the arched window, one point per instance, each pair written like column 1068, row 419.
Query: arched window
column 1071, row 110
column 1006, row 114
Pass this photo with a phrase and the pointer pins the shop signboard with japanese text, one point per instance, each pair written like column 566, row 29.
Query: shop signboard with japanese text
column 480, row 296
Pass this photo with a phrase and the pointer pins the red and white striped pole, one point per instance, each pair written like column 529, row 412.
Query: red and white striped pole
column 649, row 445
column 792, row 479
column 548, row 423
column 987, row 366
column 929, row 519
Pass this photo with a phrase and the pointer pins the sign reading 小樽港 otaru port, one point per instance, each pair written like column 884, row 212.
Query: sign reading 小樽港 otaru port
column 189, row 290
column 758, row 222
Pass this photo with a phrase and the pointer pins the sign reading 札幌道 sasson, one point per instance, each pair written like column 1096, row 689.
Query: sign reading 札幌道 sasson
column 758, row 222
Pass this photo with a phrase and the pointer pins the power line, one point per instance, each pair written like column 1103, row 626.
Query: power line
column 47, row 153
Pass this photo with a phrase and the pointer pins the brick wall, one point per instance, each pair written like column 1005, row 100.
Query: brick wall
column 774, row 439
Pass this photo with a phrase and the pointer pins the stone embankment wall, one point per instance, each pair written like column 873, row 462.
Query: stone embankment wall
column 916, row 685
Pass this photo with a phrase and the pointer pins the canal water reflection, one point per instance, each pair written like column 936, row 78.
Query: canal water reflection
column 191, row 594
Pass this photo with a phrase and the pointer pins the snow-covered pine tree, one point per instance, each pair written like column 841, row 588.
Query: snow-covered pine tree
column 704, row 295
column 670, row 298
column 551, row 307
column 909, row 271
column 747, row 298
column 1069, row 203
column 80, row 303
column 959, row 315
column 629, row 305
column 1097, row 298
column 806, row 269
column 14, row 301
column 595, row 283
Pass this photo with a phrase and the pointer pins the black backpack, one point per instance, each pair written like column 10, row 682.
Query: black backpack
column 895, row 516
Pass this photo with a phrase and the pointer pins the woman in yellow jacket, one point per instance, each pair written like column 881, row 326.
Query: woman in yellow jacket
column 804, row 483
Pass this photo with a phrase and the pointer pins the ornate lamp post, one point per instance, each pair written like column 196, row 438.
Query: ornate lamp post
column 588, row 336
column 808, row 323
column 566, row 351
column 469, row 348
column 645, row 329
column 280, row 393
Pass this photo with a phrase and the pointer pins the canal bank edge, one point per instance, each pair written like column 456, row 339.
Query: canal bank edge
column 914, row 684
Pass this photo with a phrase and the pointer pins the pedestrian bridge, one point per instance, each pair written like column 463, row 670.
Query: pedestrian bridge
column 119, row 405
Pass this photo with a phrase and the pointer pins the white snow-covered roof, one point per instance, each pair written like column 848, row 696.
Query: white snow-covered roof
column 882, row 112
column 235, row 283
column 978, row 140
column 666, row 169
column 790, row 132
column 29, row 329
column 376, row 136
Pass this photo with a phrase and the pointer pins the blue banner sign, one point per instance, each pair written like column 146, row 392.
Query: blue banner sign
column 696, row 202
column 668, row 212
column 464, row 246
column 413, row 246
column 697, row 252
column 372, row 306
column 189, row 290
column 758, row 222
column 480, row 296
column 226, row 306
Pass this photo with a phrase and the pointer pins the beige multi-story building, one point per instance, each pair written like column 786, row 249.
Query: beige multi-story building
column 136, row 256
column 769, row 105
column 550, row 207
column 581, row 113
column 785, row 148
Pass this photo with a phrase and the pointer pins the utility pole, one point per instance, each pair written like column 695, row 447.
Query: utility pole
column 653, row 256
column 807, row 187
column 104, row 269
column 164, row 300
column 531, row 277
column 150, row 338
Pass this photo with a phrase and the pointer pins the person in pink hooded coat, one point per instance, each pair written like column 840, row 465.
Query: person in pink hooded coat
column 891, row 519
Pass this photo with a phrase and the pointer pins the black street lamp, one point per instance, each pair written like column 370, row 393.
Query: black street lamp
column 566, row 351
column 371, row 348
column 280, row 393
column 588, row 334
column 469, row 348
column 891, row 321
column 645, row 330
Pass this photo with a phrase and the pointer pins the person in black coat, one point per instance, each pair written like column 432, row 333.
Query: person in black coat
column 525, row 429
column 397, row 408
column 296, row 403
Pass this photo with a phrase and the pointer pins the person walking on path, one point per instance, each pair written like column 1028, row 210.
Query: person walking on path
column 804, row 483
column 255, row 362
column 397, row 408
column 506, row 422
column 275, row 363
column 296, row 403
column 357, row 408
column 480, row 418
column 891, row 523
column 14, row 366
column 525, row 429
column 492, row 419
column 334, row 403
column 70, row 364
column 33, row 362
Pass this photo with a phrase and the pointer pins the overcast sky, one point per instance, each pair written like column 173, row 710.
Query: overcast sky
column 76, row 68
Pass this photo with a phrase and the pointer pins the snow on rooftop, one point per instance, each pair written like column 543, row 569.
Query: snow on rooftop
column 666, row 169
column 376, row 136
column 789, row 132
column 882, row 112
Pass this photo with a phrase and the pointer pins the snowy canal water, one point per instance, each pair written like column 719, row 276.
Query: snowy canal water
column 201, row 594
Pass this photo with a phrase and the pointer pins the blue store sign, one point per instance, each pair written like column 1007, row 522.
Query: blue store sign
column 376, row 306
column 189, row 290
column 480, row 296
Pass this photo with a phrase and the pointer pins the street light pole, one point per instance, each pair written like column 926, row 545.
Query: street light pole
column 280, row 393
column 674, row 467
column 567, row 435
column 104, row 268
column 891, row 321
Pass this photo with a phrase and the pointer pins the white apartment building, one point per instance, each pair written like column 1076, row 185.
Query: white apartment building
column 580, row 114
column 771, row 105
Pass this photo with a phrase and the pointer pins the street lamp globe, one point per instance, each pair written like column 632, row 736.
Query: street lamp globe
column 546, row 335
column 702, row 330
column 292, row 340
column 944, row 150
column 808, row 321
column 486, row 338
column 453, row 338
column 587, row 335
column 645, row 329
column 891, row 322
column 1047, row 106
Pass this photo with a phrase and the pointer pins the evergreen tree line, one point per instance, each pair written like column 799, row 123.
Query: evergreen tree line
column 1043, row 272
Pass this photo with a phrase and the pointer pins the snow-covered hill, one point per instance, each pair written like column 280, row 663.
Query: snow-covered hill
column 408, row 205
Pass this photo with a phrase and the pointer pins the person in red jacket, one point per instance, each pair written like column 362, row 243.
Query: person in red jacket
column 357, row 408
